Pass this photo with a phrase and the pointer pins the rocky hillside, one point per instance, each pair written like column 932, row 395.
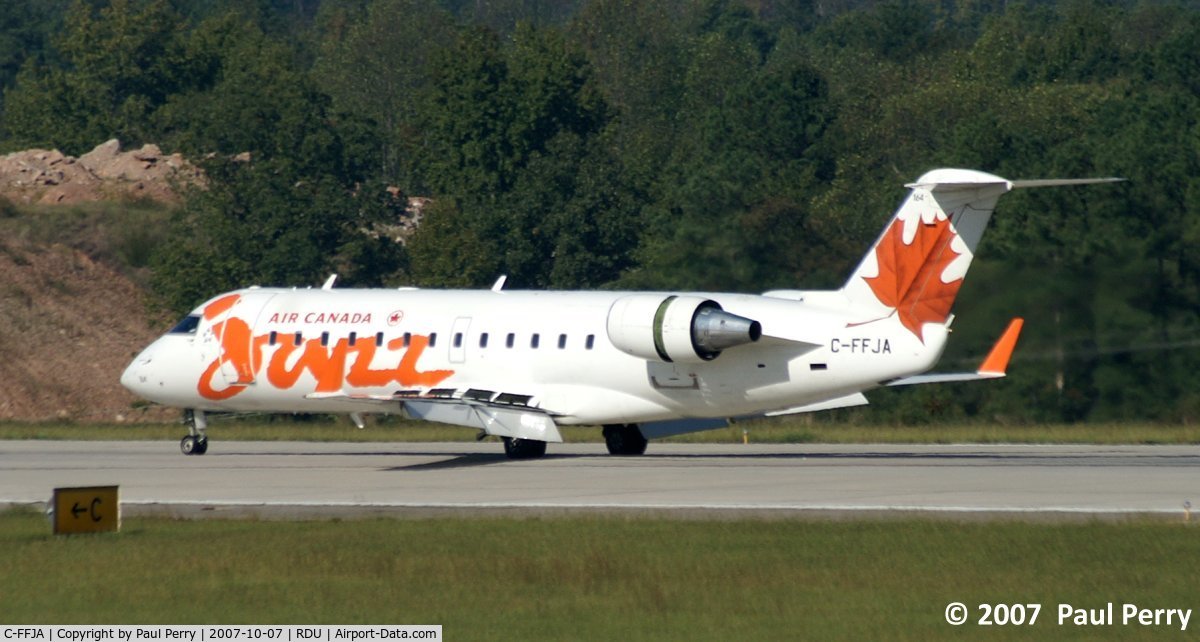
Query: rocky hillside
column 106, row 173
column 70, row 323
column 71, row 316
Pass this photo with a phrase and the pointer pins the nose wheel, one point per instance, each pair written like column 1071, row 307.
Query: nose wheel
column 193, row 445
column 196, row 442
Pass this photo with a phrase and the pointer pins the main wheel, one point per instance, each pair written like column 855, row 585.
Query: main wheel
column 624, row 439
column 523, row 448
column 201, row 445
column 187, row 445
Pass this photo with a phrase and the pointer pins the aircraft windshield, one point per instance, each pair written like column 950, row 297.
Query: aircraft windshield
column 187, row 326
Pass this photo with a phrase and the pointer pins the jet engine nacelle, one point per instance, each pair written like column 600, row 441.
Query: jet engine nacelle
column 685, row 329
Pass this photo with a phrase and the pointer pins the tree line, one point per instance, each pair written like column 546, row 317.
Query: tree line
column 681, row 144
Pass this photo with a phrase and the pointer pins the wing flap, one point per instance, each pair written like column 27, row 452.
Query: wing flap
column 499, row 414
column 501, row 422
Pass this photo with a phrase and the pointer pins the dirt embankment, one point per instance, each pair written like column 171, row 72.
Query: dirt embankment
column 70, row 324
column 68, row 328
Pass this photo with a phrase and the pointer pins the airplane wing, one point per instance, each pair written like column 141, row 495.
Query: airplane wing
column 993, row 366
column 501, row 414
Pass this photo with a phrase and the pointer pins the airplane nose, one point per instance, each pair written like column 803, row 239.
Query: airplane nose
column 134, row 378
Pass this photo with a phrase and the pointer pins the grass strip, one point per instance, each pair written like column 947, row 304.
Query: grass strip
column 598, row 577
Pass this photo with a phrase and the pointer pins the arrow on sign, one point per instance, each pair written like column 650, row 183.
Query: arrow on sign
column 74, row 506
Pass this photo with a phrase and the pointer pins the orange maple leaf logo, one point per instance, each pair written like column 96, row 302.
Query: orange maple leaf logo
column 910, row 274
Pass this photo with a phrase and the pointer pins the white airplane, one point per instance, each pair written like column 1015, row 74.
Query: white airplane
column 521, row 364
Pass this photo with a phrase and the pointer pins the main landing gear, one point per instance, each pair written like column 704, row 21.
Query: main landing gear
column 196, row 442
column 621, row 439
column 517, row 448
column 624, row 439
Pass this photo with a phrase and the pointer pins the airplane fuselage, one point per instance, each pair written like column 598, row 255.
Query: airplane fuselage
column 305, row 350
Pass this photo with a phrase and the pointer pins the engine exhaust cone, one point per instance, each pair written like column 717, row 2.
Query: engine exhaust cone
column 714, row 330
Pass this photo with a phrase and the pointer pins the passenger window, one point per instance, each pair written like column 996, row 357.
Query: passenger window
column 432, row 339
column 407, row 339
column 457, row 339
column 299, row 338
column 378, row 339
column 483, row 340
column 187, row 325
column 591, row 341
column 510, row 340
column 533, row 341
column 271, row 341
column 324, row 338
column 562, row 341
column 353, row 337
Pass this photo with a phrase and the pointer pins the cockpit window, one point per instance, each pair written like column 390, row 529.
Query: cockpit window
column 187, row 326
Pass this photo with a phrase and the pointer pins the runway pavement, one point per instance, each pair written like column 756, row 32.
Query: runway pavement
column 270, row 479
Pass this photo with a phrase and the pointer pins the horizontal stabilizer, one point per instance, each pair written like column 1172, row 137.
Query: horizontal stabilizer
column 1062, row 182
column 948, row 377
column 856, row 399
column 994, row 365
column 956, row 180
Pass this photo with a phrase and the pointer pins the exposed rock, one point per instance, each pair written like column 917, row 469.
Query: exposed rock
column 105, row 173
column 71, row 192
column 103, row 153
column 149, row 153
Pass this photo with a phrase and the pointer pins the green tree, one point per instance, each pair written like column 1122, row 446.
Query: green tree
column 255, row 99
column 304, row 204
column 26, row 28
column 449, row 251
column 732, row 208
column 517, row 142
column 380, row 69
column 467, row 118
column 260, row 223
column 638, row 55
column 504, row 16
column 121, row 65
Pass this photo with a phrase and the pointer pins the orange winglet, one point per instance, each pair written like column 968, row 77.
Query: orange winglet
column 997, row 360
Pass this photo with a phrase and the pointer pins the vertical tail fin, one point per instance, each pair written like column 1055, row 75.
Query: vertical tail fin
column 915, row 268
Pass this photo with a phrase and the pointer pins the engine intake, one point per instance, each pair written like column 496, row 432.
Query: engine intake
column 686, row 329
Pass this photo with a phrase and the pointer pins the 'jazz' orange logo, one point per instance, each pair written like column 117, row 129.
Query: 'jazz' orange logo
column 331, row 366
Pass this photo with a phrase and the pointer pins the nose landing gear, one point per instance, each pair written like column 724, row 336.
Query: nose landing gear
column 196, row 442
